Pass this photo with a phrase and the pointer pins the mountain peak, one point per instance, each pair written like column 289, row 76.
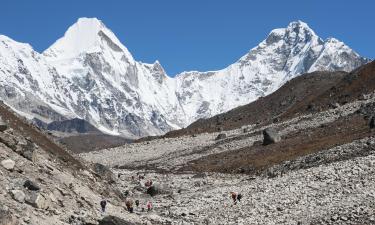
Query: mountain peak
column 87, row 35
column 296, row 31
column 299, row 24
column 93, row 22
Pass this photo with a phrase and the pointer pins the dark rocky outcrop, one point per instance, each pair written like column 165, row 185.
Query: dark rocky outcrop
column 157, row 189
column 221, row 136
column 112, row 220
column 270, row 136
column 8, row 140
column 3, row 126
column 153, row 190
column 32, row 186
column 74, row 125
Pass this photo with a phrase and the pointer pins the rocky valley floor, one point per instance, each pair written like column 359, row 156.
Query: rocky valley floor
column 321, row 172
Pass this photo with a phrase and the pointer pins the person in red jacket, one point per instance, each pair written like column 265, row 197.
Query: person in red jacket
column 234, row 197
column 149, row 206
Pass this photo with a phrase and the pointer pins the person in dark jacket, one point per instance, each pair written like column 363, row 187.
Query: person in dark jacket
column 234, row 197
column 103, row 204
column 129, row 205
column 239, row 197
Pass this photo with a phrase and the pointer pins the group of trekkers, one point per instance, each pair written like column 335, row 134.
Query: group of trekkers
column 129, row 205
column 236, row 197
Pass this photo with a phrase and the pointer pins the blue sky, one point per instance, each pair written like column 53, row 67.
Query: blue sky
column 191, row 34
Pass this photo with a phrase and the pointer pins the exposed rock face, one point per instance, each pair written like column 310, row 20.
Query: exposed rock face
column 72, row 126
column 112, row 220
column 270, row 136
column 32, row 186
column 157, row 189
column 221, row 136
column 372, row 122
column 55, row 189
column 8, row 140
column 37, row 200
column 104, row 172
column 3, row 126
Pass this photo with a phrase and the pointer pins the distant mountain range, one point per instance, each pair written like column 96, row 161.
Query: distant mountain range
column 90, row 75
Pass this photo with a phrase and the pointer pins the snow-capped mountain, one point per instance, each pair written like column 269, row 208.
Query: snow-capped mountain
column 90, row 74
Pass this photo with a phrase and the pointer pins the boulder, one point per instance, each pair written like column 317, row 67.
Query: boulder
column 157, row 189
column 27, row 149
column 8, row 140
column 270, row 136
column 37, row 200
column 112, row 220
column 3, row 126
column 30, row 155
column 8, row 164
column 153, row 190
column 372, row 122
column 104, row 172
column 199, row 175
column 221, row 136
column 18, row 195
column 6, row 218
column 31, row 185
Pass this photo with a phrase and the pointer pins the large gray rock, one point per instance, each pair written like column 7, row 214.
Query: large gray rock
column 8, row 140
column 37, row 200
column 153, row 190
column 8, row 164
column 112, row 220
column 104, row 172
column 3, row 126
column 157, row 189
column 221, row 136
column 28, row 150
column 372, row 122
column 270, row 136
column 18, row 195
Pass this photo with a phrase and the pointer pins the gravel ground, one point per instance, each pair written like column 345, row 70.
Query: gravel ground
column 335, row 186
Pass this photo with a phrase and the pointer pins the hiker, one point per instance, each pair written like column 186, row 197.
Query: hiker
column 137, row 203
column 129, row 205
column 234, row 197
column 239, row 196
column 149, row 206
column 103, row 204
